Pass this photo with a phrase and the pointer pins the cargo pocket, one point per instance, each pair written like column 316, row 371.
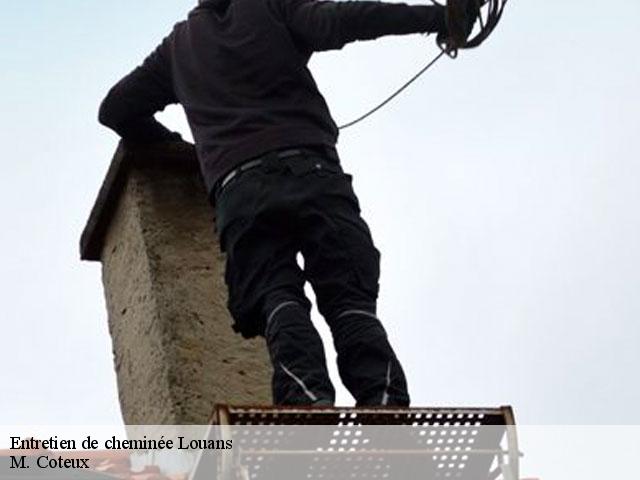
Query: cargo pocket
column 365, row 257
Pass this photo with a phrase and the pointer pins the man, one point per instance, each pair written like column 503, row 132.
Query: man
column 266, row 143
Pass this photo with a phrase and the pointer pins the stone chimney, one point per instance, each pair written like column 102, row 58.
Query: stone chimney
column 174, row 350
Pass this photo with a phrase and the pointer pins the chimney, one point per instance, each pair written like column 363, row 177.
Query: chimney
column 174, row 350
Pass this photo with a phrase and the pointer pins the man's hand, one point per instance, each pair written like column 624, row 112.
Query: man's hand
column 461, row 16
column 167, row 138
column 177, row 145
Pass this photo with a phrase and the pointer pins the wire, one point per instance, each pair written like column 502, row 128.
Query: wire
column 487, row 25
column 394, row 94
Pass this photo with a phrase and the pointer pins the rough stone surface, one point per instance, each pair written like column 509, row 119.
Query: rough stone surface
column 175, row 352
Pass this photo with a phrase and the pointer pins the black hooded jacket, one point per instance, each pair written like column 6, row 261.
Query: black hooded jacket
column 239, row 69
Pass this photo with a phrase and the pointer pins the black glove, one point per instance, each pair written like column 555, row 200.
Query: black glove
column 461, row 16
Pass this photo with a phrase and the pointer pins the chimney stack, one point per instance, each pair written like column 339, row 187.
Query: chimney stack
column 174, row 350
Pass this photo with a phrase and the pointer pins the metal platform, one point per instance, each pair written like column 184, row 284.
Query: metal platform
column 374, row 443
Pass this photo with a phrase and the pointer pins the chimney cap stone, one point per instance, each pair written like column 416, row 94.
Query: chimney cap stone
column 169, row 155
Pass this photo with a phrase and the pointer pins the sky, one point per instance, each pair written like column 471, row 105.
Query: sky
column 502, row 190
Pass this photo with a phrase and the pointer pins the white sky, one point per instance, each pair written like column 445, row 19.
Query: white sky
column 502, row 190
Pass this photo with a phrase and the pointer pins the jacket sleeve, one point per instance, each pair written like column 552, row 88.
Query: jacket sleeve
column 327, row 25
column 130, row 105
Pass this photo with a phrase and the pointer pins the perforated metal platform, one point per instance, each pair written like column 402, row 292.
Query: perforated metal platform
column 373, row 443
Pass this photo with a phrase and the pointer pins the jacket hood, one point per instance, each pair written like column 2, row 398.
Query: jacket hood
column 218, row 6
column 213, row 3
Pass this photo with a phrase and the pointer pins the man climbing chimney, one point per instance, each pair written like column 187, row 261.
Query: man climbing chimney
column 266, row 145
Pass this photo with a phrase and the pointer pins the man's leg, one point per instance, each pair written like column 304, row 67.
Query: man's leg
column 266, row 295
column 300, row 375
column 343, row 266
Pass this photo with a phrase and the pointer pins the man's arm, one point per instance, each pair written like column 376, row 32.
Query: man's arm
column 130, row 105
column 326, row 25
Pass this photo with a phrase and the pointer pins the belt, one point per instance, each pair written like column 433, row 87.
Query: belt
column 281, row 154
column 242, row 168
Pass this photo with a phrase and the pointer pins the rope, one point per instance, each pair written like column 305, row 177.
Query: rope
column 393, row 95
column 487, row 25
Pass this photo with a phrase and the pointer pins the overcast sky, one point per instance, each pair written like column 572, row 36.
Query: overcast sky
column 502, row 190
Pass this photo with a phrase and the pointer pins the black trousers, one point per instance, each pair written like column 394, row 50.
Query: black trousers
column 265, row 217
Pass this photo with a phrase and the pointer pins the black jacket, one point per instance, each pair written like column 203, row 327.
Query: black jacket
column 239, row 69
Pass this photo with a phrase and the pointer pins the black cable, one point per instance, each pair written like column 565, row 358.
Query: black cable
column 487, row 25
column 394, row 95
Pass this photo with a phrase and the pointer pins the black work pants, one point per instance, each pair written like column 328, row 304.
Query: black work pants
column 305, row 204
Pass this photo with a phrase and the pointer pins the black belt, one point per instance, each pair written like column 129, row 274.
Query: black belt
column 279, row 155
